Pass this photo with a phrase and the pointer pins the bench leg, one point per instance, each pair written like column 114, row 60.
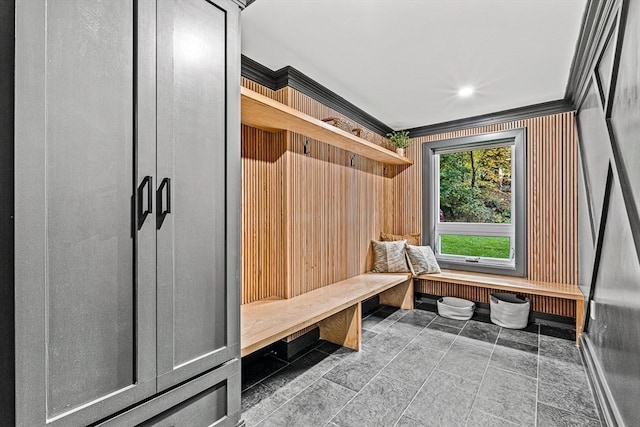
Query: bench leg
column 399, row 296
column 579, row 319
column 343, row 328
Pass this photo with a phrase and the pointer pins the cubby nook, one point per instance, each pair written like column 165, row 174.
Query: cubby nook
column 305, row 196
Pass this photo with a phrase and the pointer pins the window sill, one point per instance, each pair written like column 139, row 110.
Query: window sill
column 502, row 270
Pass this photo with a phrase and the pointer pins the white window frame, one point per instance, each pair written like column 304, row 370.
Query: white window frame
column 515, row 231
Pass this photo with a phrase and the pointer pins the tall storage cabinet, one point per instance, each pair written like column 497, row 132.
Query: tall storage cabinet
column 127, row 182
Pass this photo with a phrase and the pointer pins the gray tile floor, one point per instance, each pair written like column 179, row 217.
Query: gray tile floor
column 419, row 369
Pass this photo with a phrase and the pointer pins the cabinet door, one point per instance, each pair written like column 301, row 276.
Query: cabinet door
column 197, row 64
column 85, row 277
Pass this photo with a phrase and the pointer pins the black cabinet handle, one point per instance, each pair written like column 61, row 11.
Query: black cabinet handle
column 142, row 211
column 163, row 197
column 165, row 186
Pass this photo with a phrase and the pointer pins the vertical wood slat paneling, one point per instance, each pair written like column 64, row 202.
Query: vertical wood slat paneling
column 264, row 200
column 329, row 211
column 336, row 209
column 314, row 214
column 264, row 191
column 551, row 203
column 250, row 84
column 551, row 193
column 335, row 212
column 263, row 232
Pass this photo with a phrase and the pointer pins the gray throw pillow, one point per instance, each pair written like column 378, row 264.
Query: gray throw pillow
column 389, row 257
column 422, row 260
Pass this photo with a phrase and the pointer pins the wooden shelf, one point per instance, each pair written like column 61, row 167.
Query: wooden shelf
column 264, row 113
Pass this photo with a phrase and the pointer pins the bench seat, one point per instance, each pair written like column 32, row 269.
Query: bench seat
column 515, row 284
column 336, row 308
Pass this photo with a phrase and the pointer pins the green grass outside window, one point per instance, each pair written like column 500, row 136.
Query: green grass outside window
column 473, row 246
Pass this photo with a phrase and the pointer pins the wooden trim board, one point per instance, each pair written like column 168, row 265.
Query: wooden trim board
column 267, row 321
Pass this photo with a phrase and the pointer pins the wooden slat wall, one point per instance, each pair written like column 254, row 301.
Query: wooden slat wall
column 264, row 272
column 308, row 220
column 551, row 198
column 335, row 209
column 263, row 231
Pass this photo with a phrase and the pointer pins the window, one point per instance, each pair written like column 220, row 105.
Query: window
column 474, row 202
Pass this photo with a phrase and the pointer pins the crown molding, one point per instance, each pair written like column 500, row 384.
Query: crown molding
column 520, row 113
column 289, row 76
column 255, row 71
column 242, row 3
column 593, row 30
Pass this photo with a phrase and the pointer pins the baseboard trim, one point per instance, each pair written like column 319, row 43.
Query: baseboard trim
column 609, row 414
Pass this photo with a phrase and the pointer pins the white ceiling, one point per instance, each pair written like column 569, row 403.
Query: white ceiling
column 403, row 61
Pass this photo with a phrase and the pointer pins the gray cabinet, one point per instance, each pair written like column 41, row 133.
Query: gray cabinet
column 126, row 210
column 192, row 239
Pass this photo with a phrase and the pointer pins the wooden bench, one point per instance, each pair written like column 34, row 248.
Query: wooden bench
column 515, row 284
column 335, row 308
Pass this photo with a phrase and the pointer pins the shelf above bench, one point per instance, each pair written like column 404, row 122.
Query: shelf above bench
column 264, row 113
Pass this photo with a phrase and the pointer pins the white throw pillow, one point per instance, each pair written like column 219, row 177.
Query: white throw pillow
column 422, row 260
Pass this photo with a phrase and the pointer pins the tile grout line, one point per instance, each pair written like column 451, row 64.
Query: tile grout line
column 313, row 382
column 346, row 388
column 287, row 365
column 584, row 373
column 551, row 405
column 379, row 371
column 301, row 391
column 486, row 368
column 444, row 353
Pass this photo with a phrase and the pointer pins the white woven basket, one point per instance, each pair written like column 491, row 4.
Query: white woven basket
column 509, row 310
column 456, row 308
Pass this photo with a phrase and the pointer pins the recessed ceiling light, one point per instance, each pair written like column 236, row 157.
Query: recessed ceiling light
column 465, row 91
